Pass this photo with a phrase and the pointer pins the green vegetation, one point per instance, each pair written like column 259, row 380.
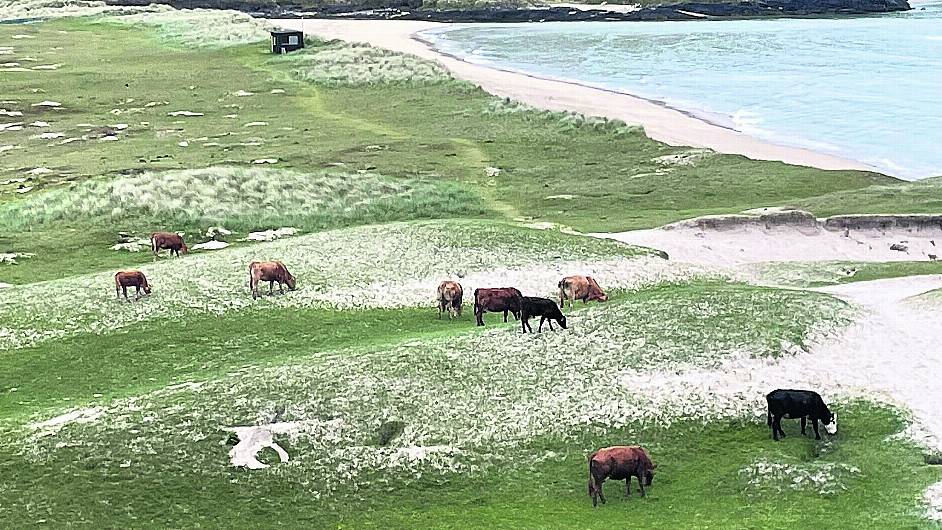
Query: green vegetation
column 819, row 274
column 924, row 196
column 116, row 414
column 243, row 199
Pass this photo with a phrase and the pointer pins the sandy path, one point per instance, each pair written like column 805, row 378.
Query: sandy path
column 660, row 122
column 892, row 353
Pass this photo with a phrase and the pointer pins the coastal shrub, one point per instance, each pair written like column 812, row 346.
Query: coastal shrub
column 342, row 64
column 563, row 121
column 245, row 198
column 207, row 28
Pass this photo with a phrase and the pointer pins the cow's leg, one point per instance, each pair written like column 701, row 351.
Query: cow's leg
column 117, row 291
column 281, row 287
column 804, row 421
column 550, row 322
column 124, row 290
column 138, row 292
column 628, row 487
column 516, row 313
column 814, row 424
column 601, row 483
column 640, row 483
column 540, row 327
column 523, row 325
column 777, row 428
column 505, row 315
column 478, row 315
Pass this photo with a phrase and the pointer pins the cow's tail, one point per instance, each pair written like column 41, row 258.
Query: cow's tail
column 477, row 304
column 153, row 243
column 592, row 484
column 769, row 417
column 562, row 291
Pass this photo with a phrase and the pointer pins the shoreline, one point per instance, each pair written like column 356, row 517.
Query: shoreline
column 660, row 121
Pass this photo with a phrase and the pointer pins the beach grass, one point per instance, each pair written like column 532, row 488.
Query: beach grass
column 824, row 273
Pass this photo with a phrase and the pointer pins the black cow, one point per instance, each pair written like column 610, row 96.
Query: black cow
column 802, row 404
column 546, row 309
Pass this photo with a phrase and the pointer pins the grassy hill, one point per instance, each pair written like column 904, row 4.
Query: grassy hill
column 117, row 414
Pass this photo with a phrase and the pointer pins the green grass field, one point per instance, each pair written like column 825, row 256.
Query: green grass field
column 115, row 414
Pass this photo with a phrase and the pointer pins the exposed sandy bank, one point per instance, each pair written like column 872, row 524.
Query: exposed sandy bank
column 660, row 122
column 727, row 241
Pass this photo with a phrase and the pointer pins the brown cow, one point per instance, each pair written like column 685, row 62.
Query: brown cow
column 271, row 272
column 125, row 279
column 494, row 300
column 580, row 288
column 617, row 463
column 449, row 298
column 168, row 240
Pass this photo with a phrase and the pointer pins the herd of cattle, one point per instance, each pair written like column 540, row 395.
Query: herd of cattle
column 615, row 463
column 523, row 308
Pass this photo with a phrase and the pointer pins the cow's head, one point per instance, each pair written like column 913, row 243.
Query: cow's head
column 146, row 289
column 599, row 296
column 562, row 320
column 184, row 249
column 830, row 426
column 648, row 477
column 290, row 281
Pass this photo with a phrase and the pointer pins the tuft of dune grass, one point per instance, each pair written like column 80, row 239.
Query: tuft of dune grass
column 25, row 9
column 245, row 199
column 562, row 121
column 205, row 28
column 344, row 64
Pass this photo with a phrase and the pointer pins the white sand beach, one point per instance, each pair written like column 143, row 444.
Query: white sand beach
column 660, row 122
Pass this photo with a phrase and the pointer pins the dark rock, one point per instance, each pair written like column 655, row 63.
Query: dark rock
column 899, row 247
column 388, row 431
column 663, row 255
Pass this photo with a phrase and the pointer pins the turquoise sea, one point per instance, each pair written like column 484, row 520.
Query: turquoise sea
column 867, row 88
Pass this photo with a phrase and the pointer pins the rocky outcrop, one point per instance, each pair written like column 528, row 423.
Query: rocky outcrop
column 413, row 10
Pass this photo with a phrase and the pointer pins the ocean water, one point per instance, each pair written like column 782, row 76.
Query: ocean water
column 868, row 89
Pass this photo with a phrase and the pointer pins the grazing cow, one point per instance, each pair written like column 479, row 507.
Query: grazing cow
column 546, row 309
column 168, row 240
column 271, row 272
column 619, row 463
column 799, row 404
column 580, row 288
column 125, row 279
column 449, row 298
column 494, row 300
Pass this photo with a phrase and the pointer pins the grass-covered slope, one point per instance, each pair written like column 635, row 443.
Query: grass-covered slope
column 433, row 130
column 397, row 265
column 479, row 410
column 114, row 414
